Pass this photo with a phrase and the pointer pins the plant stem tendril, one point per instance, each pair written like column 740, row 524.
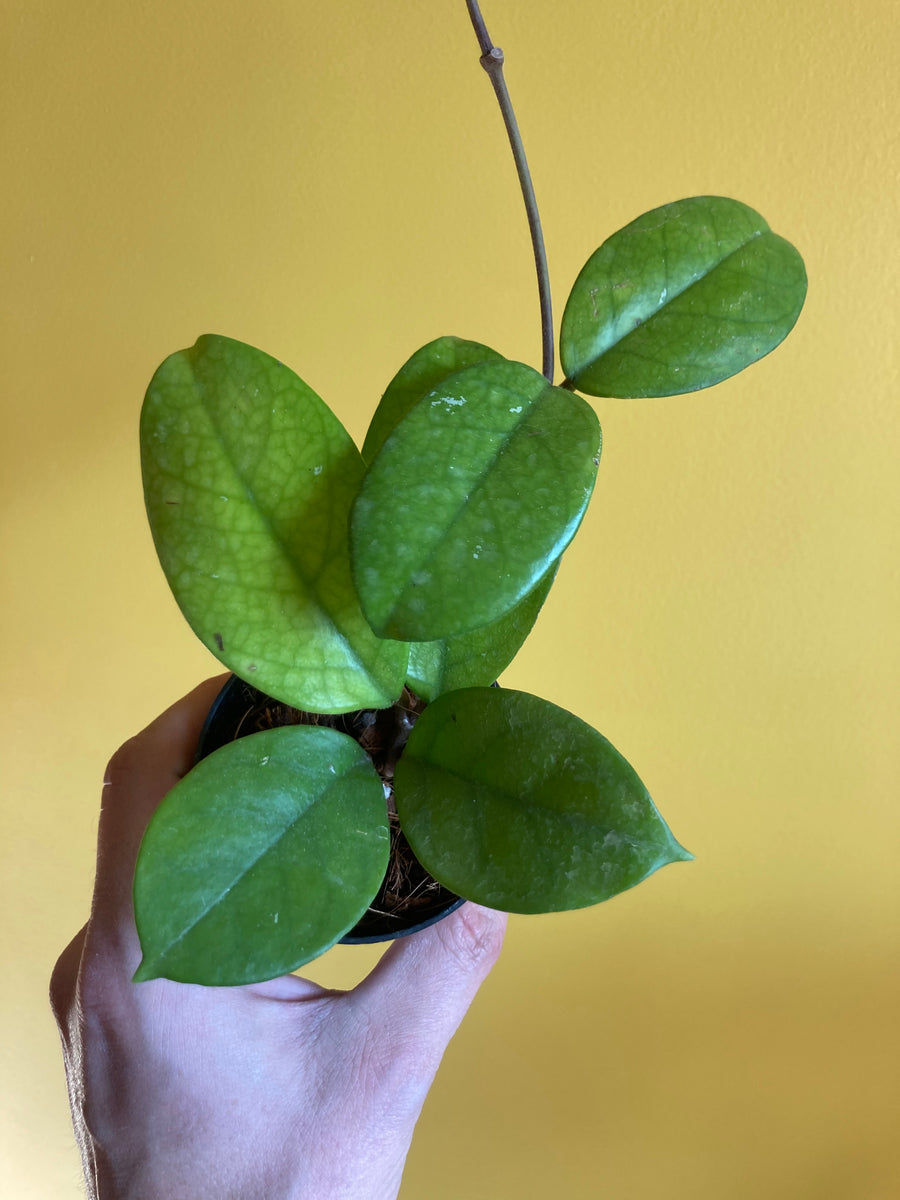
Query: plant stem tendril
column 492, row 61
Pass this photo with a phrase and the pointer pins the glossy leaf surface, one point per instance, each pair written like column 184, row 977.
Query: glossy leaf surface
column 475, row 659
column 519, row 805
column 260, row 858
column 248, row 479
column 475, row 493
column 416, row 378
column 682, row 298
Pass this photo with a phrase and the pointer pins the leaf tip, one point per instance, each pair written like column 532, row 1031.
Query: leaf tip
column 678, row 853
column 145, row 972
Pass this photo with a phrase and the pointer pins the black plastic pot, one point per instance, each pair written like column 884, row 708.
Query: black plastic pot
column 231, row 717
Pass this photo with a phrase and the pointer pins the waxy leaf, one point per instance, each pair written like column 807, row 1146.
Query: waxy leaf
column 248, row 480
column 681, row 298
column 416, row 378
column 475, row 493
column 519, row 805
column 475, row 659
column 261, row 858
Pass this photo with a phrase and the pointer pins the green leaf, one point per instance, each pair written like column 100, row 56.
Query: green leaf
column 248, row 480
column 519, row 805
column 416, row 378
column 682, row 298
column 261, row 858
column 475, row 659
column 475, row 493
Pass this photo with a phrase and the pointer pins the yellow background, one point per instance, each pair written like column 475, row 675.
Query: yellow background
column 331, row 182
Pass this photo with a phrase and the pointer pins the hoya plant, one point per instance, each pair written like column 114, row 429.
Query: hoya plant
column 402, row 579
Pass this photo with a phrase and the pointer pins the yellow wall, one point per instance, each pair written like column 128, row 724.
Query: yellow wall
column 330, row 182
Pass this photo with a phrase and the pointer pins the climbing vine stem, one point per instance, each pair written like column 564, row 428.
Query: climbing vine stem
column 492, row 61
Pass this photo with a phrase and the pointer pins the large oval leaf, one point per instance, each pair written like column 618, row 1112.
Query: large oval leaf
column 519, row 805
column 261, row 858
column 475, row 659
column 248, row 479
column 681, row 298
column 416, row 378
column 475, row 493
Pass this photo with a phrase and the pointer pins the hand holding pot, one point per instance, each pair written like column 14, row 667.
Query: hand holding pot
column 277, row 1089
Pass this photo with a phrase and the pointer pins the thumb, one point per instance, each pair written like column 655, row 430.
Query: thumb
column 420, row 991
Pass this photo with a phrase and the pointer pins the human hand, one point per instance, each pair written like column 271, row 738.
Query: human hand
column 269, row 1091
